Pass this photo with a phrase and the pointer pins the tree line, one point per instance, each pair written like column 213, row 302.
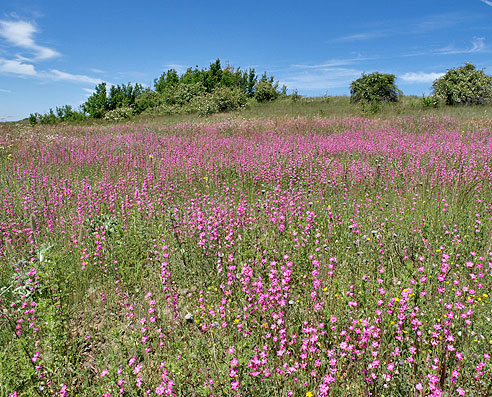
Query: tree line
column 219, row 89
column 204, row 91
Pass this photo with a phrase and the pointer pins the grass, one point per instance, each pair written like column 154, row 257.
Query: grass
column 293, row 249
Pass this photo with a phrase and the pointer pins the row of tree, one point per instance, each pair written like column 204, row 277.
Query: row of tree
column 219, row 89
column 205, row 91
column 464, row 85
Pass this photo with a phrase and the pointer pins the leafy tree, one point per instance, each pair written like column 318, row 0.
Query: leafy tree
column 266, row 91
column 124, row 95
column 214, row 76
column 97, row 104
column 463, row 86
column 374, row 87
column 252, row 80
column 166, row 80
column 67, row 113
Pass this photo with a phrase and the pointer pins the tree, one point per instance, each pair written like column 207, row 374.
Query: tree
column 374, row 87
column 166, row 80
column 265, row 90
column 97, row 104
column 463, row 86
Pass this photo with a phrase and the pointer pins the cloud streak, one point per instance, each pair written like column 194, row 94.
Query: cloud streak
column 17, row 67
column 57, row 75
column 478, row 45
column 361, row 36
column 20, row 34
column 488, row 2
column 420, row 77
column 320, row 79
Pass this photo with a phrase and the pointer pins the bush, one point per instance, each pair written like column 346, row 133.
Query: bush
column 463, row 86
column 266, row 91
column 182, row 94
column 206, row 105
column 97, row 104
column 229, row 98
column 374, row 87
column 119, row 114
column 147, row 100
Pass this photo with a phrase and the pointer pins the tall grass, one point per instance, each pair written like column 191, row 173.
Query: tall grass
column 306, row 257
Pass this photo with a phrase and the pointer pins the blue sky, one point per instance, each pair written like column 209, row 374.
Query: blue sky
column 53, row 53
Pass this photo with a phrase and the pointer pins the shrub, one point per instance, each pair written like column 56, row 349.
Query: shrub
column 97, row 104
column 374, row 87
column 229, row 98
column 266, row 91
column 463, row 86
column 181, row 94
column 147, row 100
column 118, row 114
column 206, row 105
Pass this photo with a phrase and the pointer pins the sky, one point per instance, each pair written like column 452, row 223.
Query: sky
column 53, row 53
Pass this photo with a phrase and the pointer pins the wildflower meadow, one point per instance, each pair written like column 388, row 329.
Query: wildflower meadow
column 247, row 257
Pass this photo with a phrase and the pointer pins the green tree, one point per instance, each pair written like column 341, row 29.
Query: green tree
column 97, row 104
column 374, row 87
column 463, row 86
column 167, row 79
column 265, row 90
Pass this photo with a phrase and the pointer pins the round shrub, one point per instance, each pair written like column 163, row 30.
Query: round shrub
column 463, row 86
column 374, row 87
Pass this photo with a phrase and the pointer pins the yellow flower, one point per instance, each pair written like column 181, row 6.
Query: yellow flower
column 309, row 394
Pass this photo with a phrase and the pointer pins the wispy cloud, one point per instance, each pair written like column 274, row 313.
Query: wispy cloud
column 320, row 79
column 332, row 63
column 58, row 75
column 361, row 36
column 477, row 45
column 488, row 2
column 420, row 77
column 432, row 23
column 6, row 91
column 21, row 69
column 20, row 34
column 17, row 67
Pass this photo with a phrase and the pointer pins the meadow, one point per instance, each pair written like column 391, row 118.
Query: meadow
column 252, row 256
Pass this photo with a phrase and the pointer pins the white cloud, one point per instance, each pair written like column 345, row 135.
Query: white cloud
column 420, row 77
column 488, row 2
column 181, row 69
column 362, row 36
column 331, row 63
column 477, row 45
column 15, row 66
column 58, row 75
column 6, row 91
column 321, row 78
column 20, row 34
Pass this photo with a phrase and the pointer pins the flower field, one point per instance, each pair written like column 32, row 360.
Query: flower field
column 340, row 257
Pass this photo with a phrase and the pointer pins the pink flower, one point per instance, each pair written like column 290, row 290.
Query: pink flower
column 460, row 391
column 104, row 373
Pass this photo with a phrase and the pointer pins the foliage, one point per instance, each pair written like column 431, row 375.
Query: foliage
column 266, row 90
column 97, row 104
column 463, row 86
column 219, row 88
column 64, row 113
column 374, row 87
column 119, row 114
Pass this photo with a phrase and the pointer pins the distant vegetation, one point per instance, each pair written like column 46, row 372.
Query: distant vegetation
column 221, row 89
column 202, row 91
column 374, row 87
column 463, row 86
